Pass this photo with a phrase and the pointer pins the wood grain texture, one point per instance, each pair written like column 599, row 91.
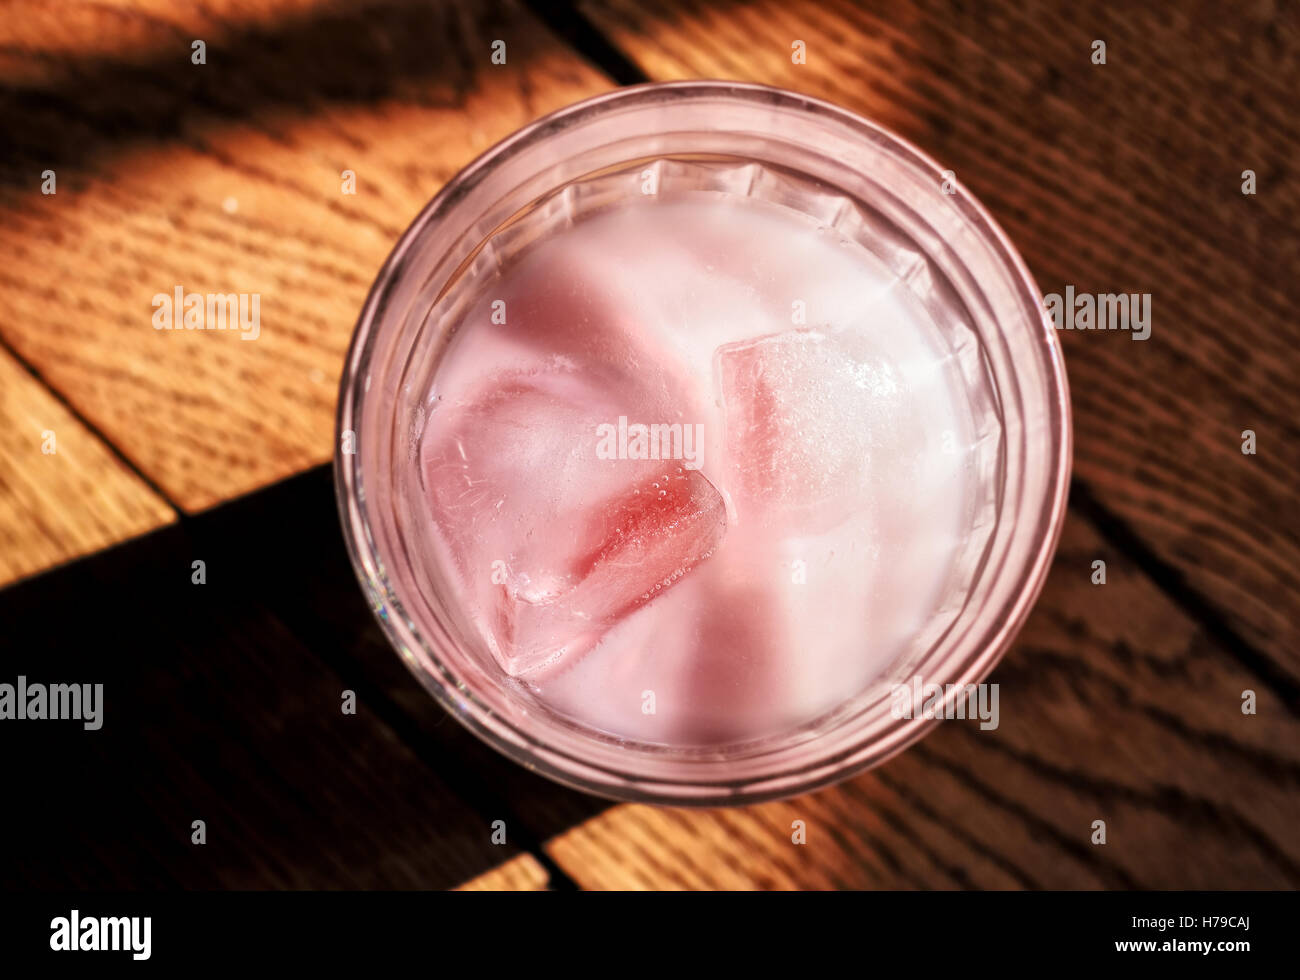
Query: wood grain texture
column 1114, row 706
column 226, row 178
column 1123, row 177
column 60, row 505
column 523, row 873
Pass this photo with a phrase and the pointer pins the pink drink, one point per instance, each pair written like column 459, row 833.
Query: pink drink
column 689, row 423
column 801, row 524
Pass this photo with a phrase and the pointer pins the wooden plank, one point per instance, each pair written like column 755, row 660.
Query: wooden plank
column 1114, row 706
column 71, row 500
column 523, row 873
column 1123, row 177
column 226, row 178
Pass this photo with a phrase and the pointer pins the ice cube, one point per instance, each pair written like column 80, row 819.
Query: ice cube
column 552, row 542
column 812, row 418
column 634, row 548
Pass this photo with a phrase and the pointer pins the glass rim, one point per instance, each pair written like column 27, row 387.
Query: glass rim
column 499, row 731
